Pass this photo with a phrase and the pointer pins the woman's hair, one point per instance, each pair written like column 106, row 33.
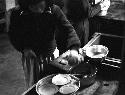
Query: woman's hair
column 24, row 4
column 59, row 3
column 78, row 7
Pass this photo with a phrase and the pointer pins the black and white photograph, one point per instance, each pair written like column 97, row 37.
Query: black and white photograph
column 62, row 47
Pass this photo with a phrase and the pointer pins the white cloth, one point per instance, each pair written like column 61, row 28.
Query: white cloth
column 105, row 4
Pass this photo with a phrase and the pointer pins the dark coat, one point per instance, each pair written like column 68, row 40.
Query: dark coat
column 36, row 31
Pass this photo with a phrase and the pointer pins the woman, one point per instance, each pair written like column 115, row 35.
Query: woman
column 78, row 12
column 32, row 31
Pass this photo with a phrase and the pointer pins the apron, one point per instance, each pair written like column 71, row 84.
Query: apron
column 36, row 67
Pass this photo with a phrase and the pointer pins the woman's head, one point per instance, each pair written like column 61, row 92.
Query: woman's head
column 79, row 7
column 25, row 4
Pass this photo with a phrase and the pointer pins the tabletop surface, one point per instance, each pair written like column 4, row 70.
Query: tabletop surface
column 99, row 87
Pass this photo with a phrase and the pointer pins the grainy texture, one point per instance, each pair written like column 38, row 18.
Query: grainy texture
column 11, row 71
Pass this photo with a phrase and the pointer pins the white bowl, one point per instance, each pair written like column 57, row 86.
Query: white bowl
column 61, row 79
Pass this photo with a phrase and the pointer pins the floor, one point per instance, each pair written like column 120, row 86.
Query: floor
column 11, row 72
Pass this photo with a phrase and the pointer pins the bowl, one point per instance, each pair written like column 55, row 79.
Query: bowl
column 61, row 79
column 68, row 89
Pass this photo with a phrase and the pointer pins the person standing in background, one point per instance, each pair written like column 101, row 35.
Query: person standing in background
column 78, row 13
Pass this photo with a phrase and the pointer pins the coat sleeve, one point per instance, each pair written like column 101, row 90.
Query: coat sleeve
column 93, row 10
column 66, row 36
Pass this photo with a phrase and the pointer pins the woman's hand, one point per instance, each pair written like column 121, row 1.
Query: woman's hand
column 72, row 56
column 75, row 54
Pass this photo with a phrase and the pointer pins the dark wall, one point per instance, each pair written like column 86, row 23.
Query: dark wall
column 109, row 26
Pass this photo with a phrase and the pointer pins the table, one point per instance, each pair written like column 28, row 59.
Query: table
column 100, row 87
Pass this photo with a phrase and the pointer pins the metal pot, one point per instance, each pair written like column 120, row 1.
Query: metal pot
column 86, row 73
column 97, row 51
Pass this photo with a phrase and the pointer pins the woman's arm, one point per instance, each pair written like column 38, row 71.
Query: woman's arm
column 66, row 36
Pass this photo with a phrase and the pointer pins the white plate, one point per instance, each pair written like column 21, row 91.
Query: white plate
column 68, row 89
column 61, row 79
